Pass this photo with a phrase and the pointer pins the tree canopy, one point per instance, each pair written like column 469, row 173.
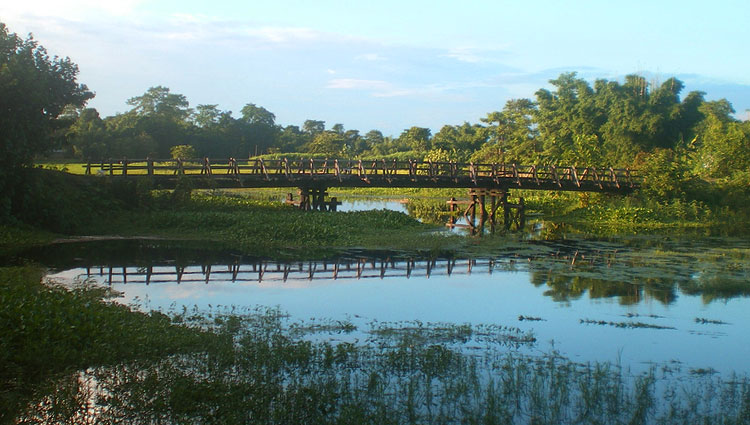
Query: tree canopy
column 35, row 89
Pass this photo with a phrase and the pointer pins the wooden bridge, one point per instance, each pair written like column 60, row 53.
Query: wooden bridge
column 326, row 173
column 313, row 177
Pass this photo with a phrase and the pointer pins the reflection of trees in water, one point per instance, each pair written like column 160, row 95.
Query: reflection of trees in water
column 714, row 287
column 429, row 210
column 566, row 287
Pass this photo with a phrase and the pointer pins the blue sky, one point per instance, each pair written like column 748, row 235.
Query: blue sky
column 386, row 65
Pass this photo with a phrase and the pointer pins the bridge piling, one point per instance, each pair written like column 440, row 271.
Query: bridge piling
column 477, row 214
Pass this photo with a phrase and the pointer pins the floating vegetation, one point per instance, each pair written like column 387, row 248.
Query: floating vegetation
column 653, row 316
column 703, row 371
column 322, row 326
column 521, row 318
column 417, row 333
column 631, row 325
column 703, row 321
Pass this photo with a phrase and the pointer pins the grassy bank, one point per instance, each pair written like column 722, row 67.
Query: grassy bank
column 48, row 333
column 70, row 355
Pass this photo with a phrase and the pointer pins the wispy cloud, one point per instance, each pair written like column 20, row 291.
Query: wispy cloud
column 74, row 10
column 385, row 89
column 475, row 55
column 370, row 57
column 355, row 84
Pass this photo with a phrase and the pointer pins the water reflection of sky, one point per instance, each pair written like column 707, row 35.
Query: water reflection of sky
column 483, row 298
column 354, row 204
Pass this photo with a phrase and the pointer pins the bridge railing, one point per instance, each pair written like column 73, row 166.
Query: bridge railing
column 296, row 169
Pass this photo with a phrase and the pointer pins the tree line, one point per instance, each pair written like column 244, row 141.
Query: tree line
column 635, row 123
column 575, row 122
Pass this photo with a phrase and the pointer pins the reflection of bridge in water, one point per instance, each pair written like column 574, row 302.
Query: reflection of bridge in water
column 274, row 271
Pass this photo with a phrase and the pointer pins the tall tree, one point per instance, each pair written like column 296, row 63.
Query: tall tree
column 566, row 113
column 88, row 135
column 208, row 115
column 34, row 90
column 261, row 131
column 253, row 114
column 460, row 141
column 723, row 143
column 313, row 127
column 159, row 101
column 512, row 133
column 417, row 138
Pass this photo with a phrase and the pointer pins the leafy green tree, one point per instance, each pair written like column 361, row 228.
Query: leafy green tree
column 209, row 115
column 183, row 152
column 34, row 90
column 723, row 142
column 313, row 127
column 416, row 138
column 328, row 143
column 565, row 113
column 253, row 114
column 159, row 101
column 664, row 174
column 338, row 128
column 460, row 140
column 261, row 131
column 513, row 133
column 88, row 135
column 292, row 139
column 158, row 120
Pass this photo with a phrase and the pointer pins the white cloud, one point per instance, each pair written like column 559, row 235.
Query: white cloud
column 282, row 35
column 355, row 84
column 75, row 10
column 384, row 89
column 378, row 88
column 475, row 55
column 370, row 57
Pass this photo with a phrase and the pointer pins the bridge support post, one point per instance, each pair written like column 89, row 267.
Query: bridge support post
column 477, row 214
column 514, row 214
column 498, row 198
column 313, row 199
column 478, row 201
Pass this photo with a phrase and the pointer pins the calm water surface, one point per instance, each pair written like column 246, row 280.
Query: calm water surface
column 585, row 318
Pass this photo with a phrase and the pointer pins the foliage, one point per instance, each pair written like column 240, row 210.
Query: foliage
column 34, row 91
column 513, row 135
column 183, row 152
column 160, row 102
column 723, row 144
column 328, row 143
column 633, row 123
column 48, row 331
column 664, row 173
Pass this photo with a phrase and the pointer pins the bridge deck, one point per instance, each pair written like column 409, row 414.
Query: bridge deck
column 316, row 173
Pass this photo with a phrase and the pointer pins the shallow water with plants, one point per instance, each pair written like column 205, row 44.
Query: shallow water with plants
column 641, row 301
column 213, row 318
column 629, row 330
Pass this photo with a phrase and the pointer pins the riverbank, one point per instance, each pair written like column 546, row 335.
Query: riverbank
column 62, row 360
column 69, row 204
